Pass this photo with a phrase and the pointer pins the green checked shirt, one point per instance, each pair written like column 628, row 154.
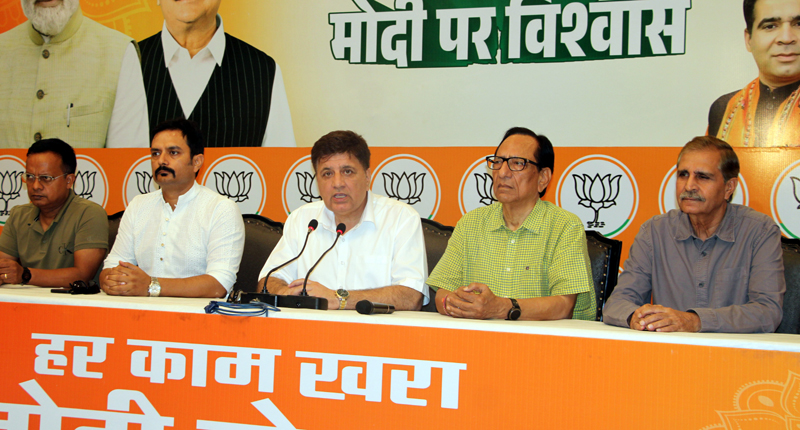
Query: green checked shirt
column 546, row 256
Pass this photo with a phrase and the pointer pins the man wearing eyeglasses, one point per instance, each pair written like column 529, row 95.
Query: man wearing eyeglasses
column 522, row 257
column 58, row 237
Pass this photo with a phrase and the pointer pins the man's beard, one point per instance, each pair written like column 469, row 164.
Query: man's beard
column 50, row 21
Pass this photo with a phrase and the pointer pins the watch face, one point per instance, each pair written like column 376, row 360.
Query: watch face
column 342, row 293
column 514, row 314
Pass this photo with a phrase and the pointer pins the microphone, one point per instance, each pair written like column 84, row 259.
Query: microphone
column 284, row 301
column 366, row 307
column 312, row 225
column 340, row 229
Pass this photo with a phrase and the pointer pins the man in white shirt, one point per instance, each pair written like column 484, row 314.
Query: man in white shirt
column 65, row 76
column 182, row 240
column 381, row 256
column 193, row 69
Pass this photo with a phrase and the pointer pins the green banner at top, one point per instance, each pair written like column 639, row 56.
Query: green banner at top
column 455, row 33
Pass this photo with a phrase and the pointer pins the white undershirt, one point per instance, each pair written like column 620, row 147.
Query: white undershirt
column 190, row 76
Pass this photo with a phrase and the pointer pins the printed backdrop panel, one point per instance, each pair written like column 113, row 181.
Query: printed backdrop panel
column 460, row 72
column 613, row 190
column 186, row 371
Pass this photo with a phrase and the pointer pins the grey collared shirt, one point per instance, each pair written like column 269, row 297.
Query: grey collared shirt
column 733, row 280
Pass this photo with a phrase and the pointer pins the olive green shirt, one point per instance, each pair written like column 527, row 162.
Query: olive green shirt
column 546, row 256
column 81, row 224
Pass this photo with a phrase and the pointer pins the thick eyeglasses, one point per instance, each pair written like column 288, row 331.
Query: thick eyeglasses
column 44, row 179
column 515, row 164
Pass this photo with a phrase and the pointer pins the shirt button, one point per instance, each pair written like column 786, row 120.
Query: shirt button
column 703, row 253
column 40, row 94
column 512, row 240
column 166, row 219
column 162, row 245
column 508, row 269
column 37, row 137
column 46, row 54
column 702, row 284
column 161, row 259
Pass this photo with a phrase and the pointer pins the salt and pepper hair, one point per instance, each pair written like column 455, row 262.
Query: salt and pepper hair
column 728, row 162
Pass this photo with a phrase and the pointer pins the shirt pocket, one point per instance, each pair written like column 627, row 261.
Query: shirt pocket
column 731, row 286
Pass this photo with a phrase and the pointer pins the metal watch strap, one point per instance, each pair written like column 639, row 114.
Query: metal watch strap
column 342, row 295
column 154, row 290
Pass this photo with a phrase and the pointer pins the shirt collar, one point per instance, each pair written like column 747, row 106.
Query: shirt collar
column 726, row 231
column 780, row 93
column 69, row 30
column 329, row 218
column 35, row 215
column 533, row 222
column 216, row 47
column 186, row 197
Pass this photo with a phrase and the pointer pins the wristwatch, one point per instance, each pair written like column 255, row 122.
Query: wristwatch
column 342, row 295
column 26, row 275
column 515, row 311
column 155, row 287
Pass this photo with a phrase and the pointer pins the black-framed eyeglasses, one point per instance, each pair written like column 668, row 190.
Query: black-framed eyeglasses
column 515, row 164
column 44, row 179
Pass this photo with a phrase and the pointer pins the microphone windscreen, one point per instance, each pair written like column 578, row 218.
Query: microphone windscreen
column 364, row 307
column 313, row 224
column 341, row 228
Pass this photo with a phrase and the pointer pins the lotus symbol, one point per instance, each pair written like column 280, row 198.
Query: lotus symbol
column 306, row 182
column 596, row 193
column 483, row 182
column 144, row 182
column 84, row 184
column 10, row 184
column 796, row 188
column 236, row 186
column 406, row 188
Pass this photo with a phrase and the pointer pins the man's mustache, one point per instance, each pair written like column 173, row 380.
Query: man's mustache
column 164, row 169
column 693, row 195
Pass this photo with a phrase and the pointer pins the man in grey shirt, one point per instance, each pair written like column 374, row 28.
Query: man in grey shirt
column 711, row 266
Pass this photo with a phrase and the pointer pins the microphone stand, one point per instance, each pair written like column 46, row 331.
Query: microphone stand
column 284, row 301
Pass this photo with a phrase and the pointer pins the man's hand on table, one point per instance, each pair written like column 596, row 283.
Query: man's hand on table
column 660, row 318
column 125, row 280
column 476, row 301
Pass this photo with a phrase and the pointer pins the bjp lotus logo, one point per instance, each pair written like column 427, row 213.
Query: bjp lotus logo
column 796, row 189
column 235, row 186
column 596, row 193
column 306, row 182
column 405, row 187
column 408, row 179
column 484, row 184
column 84, row 184
column 10, row 185
column 144, row 182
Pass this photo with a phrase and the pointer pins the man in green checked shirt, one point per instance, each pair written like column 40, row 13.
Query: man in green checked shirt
column 522, row 257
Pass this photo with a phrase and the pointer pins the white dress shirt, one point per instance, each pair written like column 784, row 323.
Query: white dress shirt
column 190, row 76
column 385, row 248
column 129, row 126
column 203, row 235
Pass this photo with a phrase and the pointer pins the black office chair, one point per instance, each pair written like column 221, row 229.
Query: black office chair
column 791, row 300
column 604, row 256
column 436, row 238
column 113, row 228
column 260, row 237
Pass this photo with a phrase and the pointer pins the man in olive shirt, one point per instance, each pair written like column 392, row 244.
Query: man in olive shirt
column 58, row 237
